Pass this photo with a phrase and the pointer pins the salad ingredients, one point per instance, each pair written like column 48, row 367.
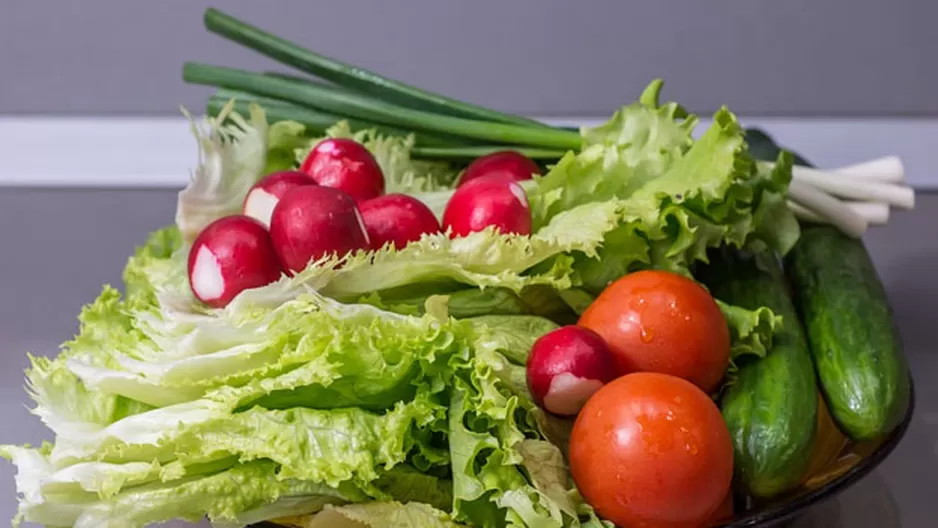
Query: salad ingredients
column 231, row 255
column 312, row 222
column 657, row 321
column 346, row 165
column 489, row 201
column 508, row 164
column 378, row 376
column 566, row 366
column 651, row 449
column 397, row 219
column 264, row 195
column 771, row 406
column 855, row 343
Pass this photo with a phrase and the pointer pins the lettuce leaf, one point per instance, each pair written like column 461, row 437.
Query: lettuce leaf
column 377, row 515
column 335, row 448
column 751, row 331
column 310, row 351
column 222, row 496
column 232, row 156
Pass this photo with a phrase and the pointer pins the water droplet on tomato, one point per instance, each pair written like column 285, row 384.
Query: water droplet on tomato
column 646, row 335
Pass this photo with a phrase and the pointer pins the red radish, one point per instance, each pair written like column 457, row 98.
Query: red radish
column 345, row 165
column 230, row 255
column 261, row 199
column 506, row 163
column 566, row 366
column 397, row 218
column 311, row 222
column 488, row 201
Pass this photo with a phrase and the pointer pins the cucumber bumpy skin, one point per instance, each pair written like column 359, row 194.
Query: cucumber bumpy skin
column 851, row 332
column 771, row 408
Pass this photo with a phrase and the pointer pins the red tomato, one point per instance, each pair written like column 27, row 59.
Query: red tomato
column 656, row 321
column 652, row 450
column 725, row 512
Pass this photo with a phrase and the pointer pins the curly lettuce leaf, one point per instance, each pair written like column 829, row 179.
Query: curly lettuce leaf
column 751, row 331
column 489, row 425
column 460, row 304
column 377, row 515
column 232, row 157
column 283, row 139
column 709, row 196
column 511, row 335
column 310, row 351
column 635, row 146
column 222, row 496
column 63, row 402
column 339, row 449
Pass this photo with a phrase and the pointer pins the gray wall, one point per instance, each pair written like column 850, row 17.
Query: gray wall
column 792, row 57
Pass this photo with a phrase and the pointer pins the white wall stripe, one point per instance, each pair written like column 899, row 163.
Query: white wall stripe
column 160, row 152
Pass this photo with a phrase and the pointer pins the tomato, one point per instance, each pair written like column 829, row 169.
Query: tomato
column 656, row 321
column 724, row 512
column 652, row 450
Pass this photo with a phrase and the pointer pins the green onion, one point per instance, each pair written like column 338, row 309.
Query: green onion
column 468, row 153
column 316, row 122
column 353, row 105
column 347, row 75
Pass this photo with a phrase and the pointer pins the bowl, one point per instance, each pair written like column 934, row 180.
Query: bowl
column 850, row 466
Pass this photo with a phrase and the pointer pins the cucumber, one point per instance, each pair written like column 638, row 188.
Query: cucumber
column 855, row 343
column 771, row 407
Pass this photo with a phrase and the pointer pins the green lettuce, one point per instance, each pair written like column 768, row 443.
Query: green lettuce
column 232, row 156
column 377, row 515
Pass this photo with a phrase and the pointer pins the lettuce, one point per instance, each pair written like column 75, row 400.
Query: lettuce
column 377, row 515
column 232, row 156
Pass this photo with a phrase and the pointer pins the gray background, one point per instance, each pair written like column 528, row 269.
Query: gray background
column 537, row 57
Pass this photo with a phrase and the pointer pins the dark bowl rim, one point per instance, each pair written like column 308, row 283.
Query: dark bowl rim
column 788, row 510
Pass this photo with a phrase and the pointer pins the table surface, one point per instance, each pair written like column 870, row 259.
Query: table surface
column 65, row 244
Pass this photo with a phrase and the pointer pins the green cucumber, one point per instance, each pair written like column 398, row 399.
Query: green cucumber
column 771, row 407
column 857, row 351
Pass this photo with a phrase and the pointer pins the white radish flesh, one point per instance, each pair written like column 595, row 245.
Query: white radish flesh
column 566, row 366
column 264, row 195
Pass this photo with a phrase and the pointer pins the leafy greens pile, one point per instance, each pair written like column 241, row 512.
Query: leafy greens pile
column 384, row 388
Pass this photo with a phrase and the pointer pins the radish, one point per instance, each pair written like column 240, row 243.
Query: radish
column 230, row 255
column 488, row 201
column 566, row 366
column 345, row 165
column 506, row 163
column 264, row 195
column 397, row 218
column 311, row 222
